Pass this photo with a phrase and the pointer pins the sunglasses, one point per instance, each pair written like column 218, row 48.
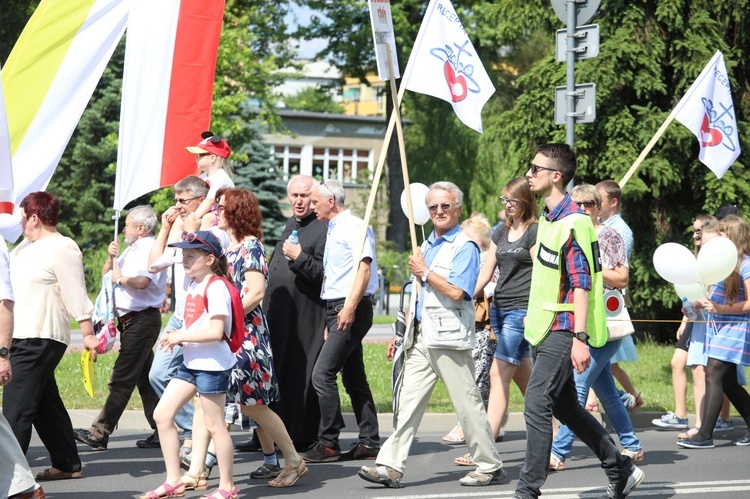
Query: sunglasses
column 184, row 201
column 443, row 207
column 586, row 204
column 323, row 183
column 512, row 202
column 535, row 169
column 192, row 237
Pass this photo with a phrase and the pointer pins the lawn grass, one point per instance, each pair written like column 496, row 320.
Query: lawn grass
column 651, row 375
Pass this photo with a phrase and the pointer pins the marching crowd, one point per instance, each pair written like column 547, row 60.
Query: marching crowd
column 260, row 343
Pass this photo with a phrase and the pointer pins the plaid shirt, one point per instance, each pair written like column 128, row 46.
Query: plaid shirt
column 575, row 272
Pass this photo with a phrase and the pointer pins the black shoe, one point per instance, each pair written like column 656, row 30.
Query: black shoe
column 320, row 453
column 249, row 446
column 360, row 451
column 152, row 442
column 88, row 438
column 623, row 487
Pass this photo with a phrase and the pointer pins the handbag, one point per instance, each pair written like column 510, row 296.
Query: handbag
column 482, row 309
column 619, row 325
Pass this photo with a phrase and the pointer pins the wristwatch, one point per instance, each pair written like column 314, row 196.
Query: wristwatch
column 424, row 276
column 4, row 352
column 581, row 336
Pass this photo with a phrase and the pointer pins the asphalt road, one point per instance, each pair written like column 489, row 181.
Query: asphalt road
column 126, row 471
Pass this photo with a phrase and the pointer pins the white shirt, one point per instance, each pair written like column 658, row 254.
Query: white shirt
column 218, row 180
column 339, row 260
column 215, row 355
column 133, row 263
column 49, row 287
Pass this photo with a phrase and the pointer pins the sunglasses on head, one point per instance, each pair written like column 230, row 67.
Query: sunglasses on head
column 192, row 237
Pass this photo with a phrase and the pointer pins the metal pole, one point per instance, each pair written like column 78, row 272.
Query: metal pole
column 570, row 80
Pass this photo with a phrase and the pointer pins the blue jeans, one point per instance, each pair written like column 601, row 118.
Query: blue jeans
column 163, row 368
column 552, row 391
column 599, row 376
column 508, row 327
column 205, row 382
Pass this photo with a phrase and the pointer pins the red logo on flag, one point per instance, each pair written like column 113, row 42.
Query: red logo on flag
column 382, row 14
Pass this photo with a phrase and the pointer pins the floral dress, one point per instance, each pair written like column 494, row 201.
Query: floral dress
column 253, row 381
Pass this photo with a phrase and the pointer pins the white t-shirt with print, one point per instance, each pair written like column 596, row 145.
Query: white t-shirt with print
column 215, row 355
column 218, row 180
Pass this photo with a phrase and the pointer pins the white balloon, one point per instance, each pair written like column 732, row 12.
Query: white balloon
column 693, row 292
column 676, row 264
column 418, row 203
column 716, row 260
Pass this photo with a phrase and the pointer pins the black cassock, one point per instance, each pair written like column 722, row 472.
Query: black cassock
column 296, row 320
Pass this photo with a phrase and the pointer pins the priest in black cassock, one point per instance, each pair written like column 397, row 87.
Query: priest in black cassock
column 295, row 313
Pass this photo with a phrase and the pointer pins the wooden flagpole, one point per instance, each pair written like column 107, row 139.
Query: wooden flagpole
column 648, row 148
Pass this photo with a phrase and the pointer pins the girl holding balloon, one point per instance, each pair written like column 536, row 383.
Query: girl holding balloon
column 728, row 333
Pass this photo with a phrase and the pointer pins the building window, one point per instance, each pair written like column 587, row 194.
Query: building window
column 348, row 166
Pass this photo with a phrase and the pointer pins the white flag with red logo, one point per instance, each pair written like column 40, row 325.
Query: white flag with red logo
column 444, row 64
column 707, row 110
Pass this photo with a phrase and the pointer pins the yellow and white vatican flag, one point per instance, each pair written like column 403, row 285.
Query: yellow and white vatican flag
column 6, row 174
column 48, row 80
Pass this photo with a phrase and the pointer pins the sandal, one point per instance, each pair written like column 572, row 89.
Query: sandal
column 594, row 407
column 556, row 464
column 692, row 432
column 169, row 491
column 49, row 474
column 453, row 437
column 289, row 475
column 193, row 482
column 222, row 494
column 500, row 435
column 464, row 460
column 266, row 471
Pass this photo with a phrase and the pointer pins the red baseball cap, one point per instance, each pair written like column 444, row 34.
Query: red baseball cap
column 211, row 144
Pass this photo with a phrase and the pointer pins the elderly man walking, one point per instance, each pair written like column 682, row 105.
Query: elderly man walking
column 438, row 343
column 138, row 295
column 348, row 320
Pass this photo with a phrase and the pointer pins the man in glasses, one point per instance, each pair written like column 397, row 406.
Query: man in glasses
column 138, row 295
column 349, row 280
column 438, row 343
column 565, row 312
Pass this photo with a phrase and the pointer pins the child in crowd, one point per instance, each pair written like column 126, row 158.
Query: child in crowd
column 206, row 368
column 212, row 155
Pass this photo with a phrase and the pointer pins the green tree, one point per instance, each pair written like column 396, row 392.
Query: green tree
column 651, row 52
column 258, row 174
column 315, row 99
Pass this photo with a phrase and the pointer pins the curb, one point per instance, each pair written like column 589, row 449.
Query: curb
column 431, row 422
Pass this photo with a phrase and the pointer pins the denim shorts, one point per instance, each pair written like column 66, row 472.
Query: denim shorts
column 206, row 382
column 508, row 327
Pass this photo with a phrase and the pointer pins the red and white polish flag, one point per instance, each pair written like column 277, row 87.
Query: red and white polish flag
column 708, row 111
column 444, row 64
column 170, row 62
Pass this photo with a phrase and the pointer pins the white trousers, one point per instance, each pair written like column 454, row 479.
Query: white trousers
column 15, row 475
column 422, row 368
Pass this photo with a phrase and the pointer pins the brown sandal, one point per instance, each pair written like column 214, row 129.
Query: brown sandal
column 48, row 475
column 289, row 475
column 193, row 482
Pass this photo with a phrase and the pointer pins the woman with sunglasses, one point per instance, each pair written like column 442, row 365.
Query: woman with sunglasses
column 509, row 258
column 253, row 383
column 599, row 375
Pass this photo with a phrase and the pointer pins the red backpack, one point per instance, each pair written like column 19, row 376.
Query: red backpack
column 238, row 331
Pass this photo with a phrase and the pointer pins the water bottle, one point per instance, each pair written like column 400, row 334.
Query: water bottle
column 293, row 239
column 689, row 307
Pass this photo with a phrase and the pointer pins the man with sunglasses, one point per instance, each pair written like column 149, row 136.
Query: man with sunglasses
column 138, row 295
column 565, row 314
column 349, row 280
column 438, row 345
